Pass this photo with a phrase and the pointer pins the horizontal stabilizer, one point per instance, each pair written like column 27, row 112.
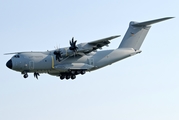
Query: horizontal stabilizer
column 150, row 22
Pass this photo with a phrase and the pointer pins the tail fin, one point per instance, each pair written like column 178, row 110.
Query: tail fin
column 137, row 32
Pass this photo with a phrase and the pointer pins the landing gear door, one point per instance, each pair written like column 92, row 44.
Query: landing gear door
column 31, row 65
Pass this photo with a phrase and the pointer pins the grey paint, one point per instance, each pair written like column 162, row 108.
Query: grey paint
column 86, row 59
column 137, row 32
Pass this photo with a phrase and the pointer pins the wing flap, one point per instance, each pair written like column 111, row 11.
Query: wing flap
column 98, row 44
column 104, row 40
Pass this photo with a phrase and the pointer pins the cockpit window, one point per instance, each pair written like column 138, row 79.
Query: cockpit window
column 17, row 56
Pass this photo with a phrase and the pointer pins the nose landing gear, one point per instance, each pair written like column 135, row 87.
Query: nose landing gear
column 25, row 75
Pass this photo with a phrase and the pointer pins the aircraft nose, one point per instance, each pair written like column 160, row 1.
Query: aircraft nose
column 9, row 64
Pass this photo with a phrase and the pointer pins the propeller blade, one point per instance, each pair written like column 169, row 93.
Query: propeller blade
column 73, row 46
column 72, row 39
column 70, row 42
column 75, row 42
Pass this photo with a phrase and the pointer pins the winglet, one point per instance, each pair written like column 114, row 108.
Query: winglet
column 150, row 22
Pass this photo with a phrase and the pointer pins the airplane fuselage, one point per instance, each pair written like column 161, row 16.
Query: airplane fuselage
column 45, row 62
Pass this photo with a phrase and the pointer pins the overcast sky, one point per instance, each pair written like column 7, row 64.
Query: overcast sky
column 145, row 86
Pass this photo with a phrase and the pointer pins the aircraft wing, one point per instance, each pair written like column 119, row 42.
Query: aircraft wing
column 98, row 44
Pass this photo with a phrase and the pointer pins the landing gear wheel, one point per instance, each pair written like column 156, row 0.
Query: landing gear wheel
column 83, row 72
column 62, row 77
column 25, row 75
column 78, row 71
column 73, row 77
column 67, row 77
column 72, row 72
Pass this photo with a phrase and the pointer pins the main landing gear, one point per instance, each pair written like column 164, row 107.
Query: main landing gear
column 67, row 77
column 71, row 74
column 36, row 75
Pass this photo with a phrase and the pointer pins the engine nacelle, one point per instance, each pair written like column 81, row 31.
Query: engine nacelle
column 82, row 48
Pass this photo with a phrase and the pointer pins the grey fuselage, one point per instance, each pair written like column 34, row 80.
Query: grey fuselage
column 45, row 62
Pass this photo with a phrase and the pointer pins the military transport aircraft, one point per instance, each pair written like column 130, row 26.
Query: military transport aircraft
column 78, row 59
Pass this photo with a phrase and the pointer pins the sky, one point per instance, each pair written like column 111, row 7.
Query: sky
column 141, row 87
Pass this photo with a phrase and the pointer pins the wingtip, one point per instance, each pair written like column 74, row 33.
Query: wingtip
column 11, row 53
column 116, row 35
column 7, row 53
column 168, row 18
column 164, row 18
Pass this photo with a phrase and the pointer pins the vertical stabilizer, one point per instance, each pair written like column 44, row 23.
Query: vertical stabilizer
column 137, row 32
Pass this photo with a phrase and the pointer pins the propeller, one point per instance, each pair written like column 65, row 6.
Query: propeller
column 58, row 54
column 73, row 46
